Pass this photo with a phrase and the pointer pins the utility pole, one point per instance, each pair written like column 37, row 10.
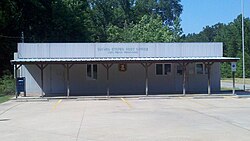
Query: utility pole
column 243, row 45
column 22, row 38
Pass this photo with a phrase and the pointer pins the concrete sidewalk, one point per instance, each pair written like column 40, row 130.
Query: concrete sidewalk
column 125, row 119
column 222, row 94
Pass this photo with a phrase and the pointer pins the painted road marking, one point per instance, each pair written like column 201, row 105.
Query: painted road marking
column 228, row 97
column 57, row 103
column 125, row 101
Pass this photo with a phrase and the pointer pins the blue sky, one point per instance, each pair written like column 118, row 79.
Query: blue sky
column 200, row 13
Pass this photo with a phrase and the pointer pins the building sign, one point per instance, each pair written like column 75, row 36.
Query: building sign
column 121, row 51
column 122, row 67
column 233, row 66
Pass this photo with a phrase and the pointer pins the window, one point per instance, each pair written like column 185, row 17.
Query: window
column 159, row 69
column 167, row 68
column 163, row 69
column 179, row 70
column 199, row 68
column 91, row 71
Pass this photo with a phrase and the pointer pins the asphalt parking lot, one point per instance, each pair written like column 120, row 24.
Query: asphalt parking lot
column 125, row 119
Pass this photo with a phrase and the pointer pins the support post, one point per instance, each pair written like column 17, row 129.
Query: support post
column 67, row 71
column 243, row 45
column 107, row 66
column 146, row 66
column 68, row 66
column 146, row 80
column 208, row 65
column 16, row 79
column 209, row 80
column 42, row 67
column 108, row 82
column 184, row 65
column 15, row 75
column 233, row 82
column 42, row 80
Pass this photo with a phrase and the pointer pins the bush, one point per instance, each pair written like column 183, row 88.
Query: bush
column 7, row 84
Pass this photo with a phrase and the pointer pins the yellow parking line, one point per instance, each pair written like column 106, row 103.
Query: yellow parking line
column 57, row 103
column 125, row 101
column 228, row 97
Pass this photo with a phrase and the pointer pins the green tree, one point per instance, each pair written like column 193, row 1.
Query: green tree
column 69, row 22
column 230, row 35
column 177, row 30
column 105, row 13
column 85, row 21
column 9, row 29
column 148, row 29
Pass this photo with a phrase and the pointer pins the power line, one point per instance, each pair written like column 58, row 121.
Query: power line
column 12, row 37
column 15, row 37
column 22, row 38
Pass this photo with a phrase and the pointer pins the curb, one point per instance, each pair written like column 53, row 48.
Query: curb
column 89, row 98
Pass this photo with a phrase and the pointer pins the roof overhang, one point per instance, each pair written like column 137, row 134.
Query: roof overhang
column 122, row 60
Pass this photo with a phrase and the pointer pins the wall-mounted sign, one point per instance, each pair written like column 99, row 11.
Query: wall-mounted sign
column 122, row 67
column 233, row 66
column 122, row 50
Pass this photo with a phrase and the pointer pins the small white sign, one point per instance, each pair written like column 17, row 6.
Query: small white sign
column 233, row 66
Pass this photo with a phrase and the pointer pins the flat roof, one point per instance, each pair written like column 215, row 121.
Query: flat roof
column 121, row 60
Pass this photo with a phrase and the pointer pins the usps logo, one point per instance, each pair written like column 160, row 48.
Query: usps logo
column 123, row 67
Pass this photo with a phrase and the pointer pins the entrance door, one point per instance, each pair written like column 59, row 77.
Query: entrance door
column 57, row 79
column 178, row 78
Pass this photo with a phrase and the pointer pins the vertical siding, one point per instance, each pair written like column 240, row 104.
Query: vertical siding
column 130, row 82
column 87, row 50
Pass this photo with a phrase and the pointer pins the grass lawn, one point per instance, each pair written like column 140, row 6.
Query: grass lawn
column 4, row 98
column 225, row 89
column 237, row 80
column 228, row 89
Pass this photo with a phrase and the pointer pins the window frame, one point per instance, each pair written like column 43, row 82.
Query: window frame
column 204, row 69
column 164, row 72
column 93, row 71
column 156, row 70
